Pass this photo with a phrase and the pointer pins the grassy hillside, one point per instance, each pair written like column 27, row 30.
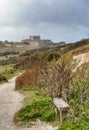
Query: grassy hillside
column 75, row 88
column 12, row 53
column 38, row 59
column 49, row 73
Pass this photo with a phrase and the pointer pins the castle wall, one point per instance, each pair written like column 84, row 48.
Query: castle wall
column 36, row 40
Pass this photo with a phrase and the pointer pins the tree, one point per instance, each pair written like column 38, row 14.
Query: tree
column 57, row 77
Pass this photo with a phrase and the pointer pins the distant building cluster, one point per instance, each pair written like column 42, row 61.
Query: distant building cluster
column 37, row 41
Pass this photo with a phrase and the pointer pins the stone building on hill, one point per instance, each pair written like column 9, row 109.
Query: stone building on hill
column 36, row 40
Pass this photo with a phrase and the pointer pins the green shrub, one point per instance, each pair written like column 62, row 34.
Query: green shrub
column 51, row 56
column 48, row 115
column 78, row 117
column 41, row 109
column 75, row 126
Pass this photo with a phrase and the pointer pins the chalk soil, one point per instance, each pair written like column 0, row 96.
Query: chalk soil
column 10, row 103
column 81, row 59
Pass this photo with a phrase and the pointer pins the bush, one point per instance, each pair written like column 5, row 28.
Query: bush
column 78, row 117
column 3, row 78
column 28, row 78
column 41, row 109
column 51, row 56
column 75, row 126
column 48, row 115
column 8, row 53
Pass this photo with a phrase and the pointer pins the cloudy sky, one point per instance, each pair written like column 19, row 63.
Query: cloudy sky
column 59, row 20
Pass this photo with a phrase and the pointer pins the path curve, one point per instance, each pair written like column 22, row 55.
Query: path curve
column 10, row 103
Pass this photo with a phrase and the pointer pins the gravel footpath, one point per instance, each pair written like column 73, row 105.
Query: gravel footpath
column 10, row 103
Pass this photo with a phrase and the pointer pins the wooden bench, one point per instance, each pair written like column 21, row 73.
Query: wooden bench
column 62, row 107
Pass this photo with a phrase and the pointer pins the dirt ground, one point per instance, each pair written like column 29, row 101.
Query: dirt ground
column 10, row 103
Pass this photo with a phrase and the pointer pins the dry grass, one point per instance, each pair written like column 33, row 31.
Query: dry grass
column 80, row 50
column 28, row 78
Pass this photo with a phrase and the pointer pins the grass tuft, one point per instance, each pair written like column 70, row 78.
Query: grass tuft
column 36, row 106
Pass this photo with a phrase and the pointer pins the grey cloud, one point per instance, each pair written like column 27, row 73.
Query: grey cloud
column 66, row 12
column 51, row 18
column 56, row 12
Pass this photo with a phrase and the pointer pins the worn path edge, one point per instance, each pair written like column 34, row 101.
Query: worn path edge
column 10, row 103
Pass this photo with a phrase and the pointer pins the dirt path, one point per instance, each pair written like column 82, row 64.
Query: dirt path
column 10, row 103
